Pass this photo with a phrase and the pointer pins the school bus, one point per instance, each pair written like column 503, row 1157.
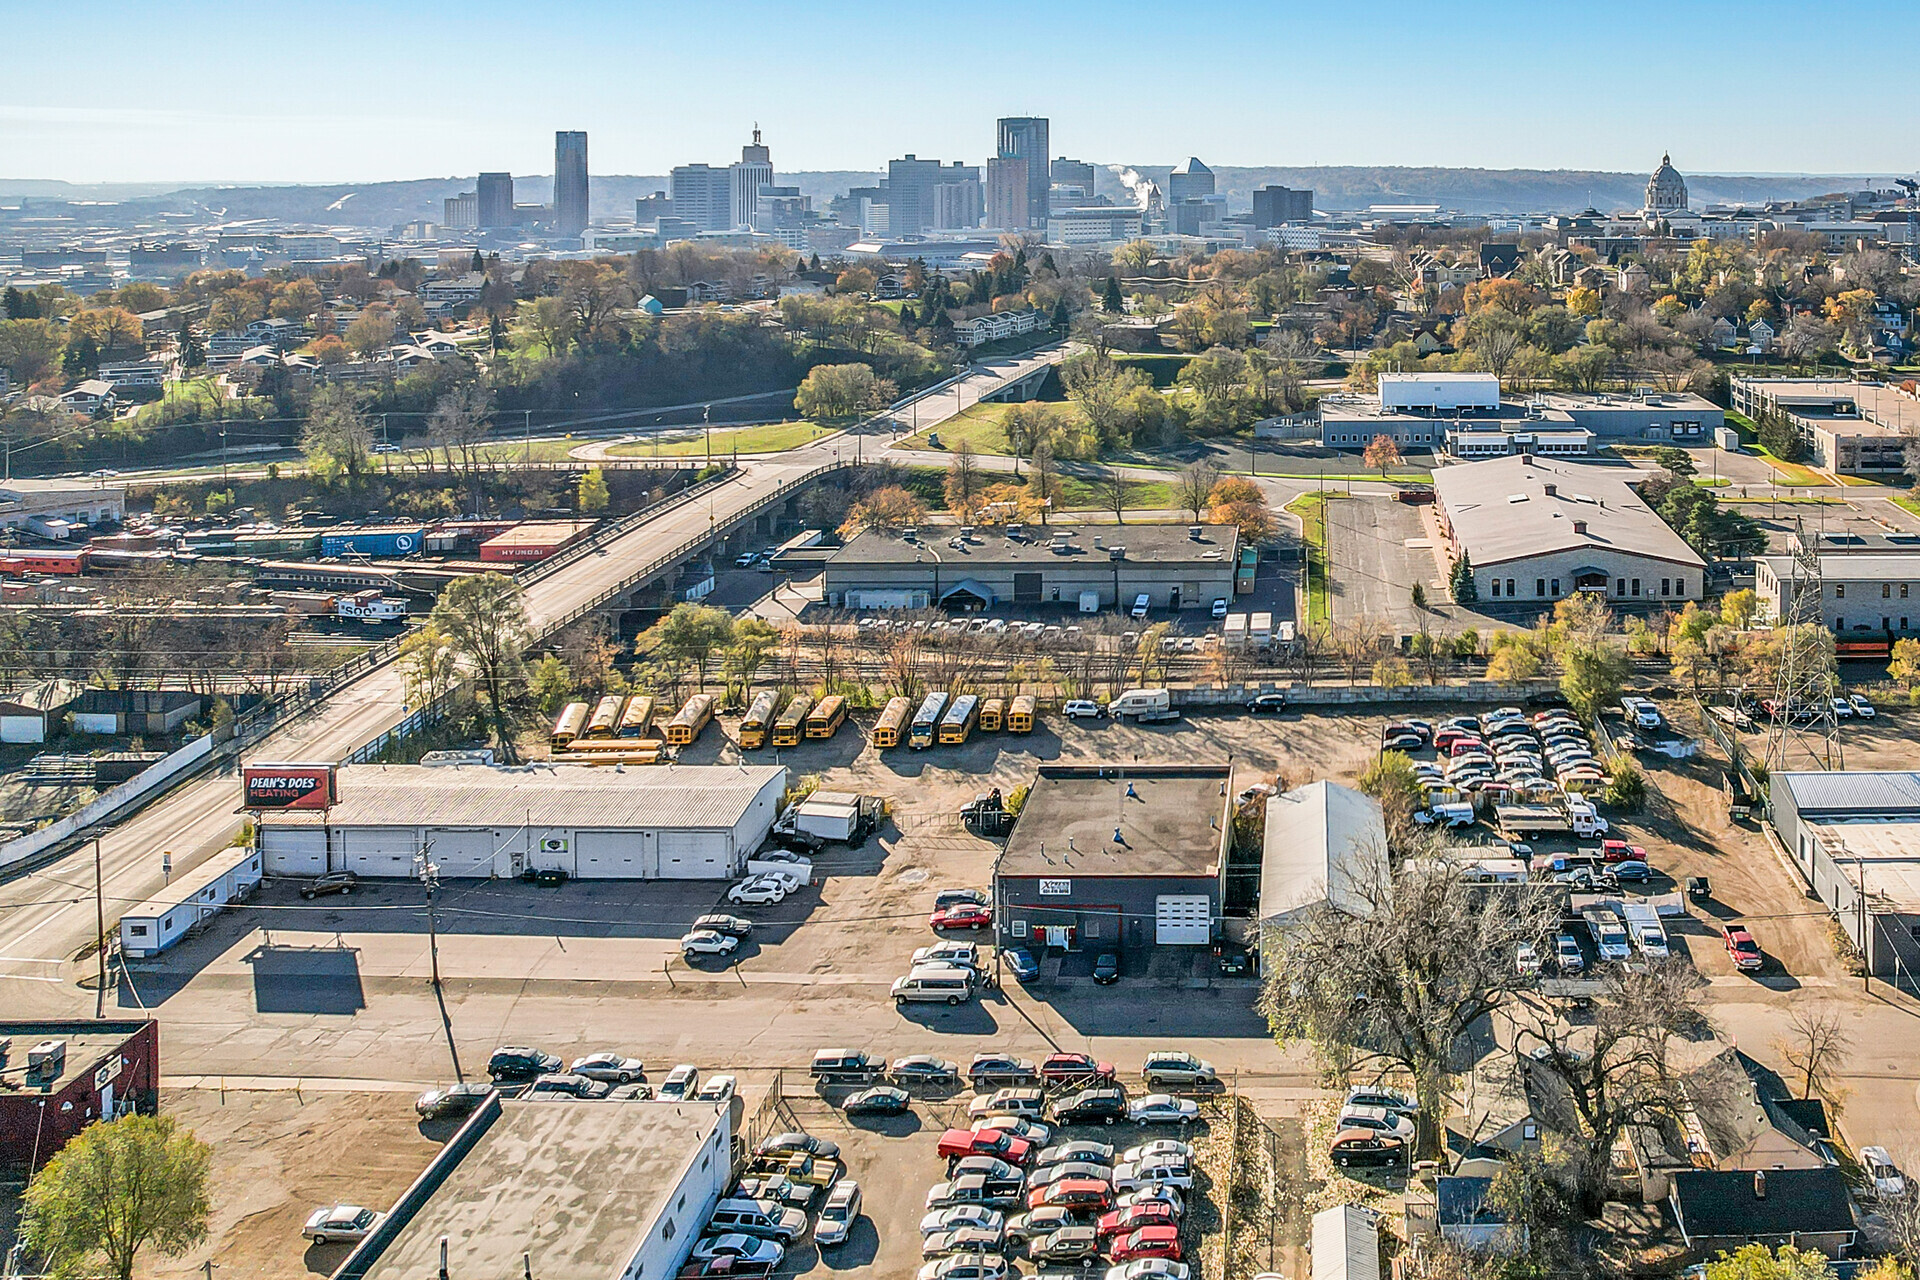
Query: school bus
column 638, row 717
column 606, row 717
column 893, row 718
column 792, row 722
column 693, row 717
column 992, row 712
column 567, row 726
column 753, row 730
column 957, row 726
column 926, row 722
column 825, row 720
column 1020, row 714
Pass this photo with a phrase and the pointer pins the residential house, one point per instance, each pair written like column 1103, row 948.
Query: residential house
column 94, row 396
column 1760, row 334
column 1466, row 1219
column 1721, row 333
column 996, row 326
column 277, row 332
column 1720, row 1211
column 130, row 711
column 1736, row 1116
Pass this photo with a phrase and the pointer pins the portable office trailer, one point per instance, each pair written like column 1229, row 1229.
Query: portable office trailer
column 926, row 721
column 569, row 724
column 193, row 896
column 893, row 719
column 759, row 719
column 693, row 717
column 606, row 717
column 825, row 720
column 958, row 724
column 638, row 717
column 788, row 729
column 1020, row 714
column 992, row 713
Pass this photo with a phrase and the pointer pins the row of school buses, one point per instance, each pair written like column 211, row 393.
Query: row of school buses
column 608, row 729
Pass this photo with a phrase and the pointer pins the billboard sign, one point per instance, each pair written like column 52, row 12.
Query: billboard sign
column 288, row 786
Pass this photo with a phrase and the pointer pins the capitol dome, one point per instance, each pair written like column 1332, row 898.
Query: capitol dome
column 1666, row 190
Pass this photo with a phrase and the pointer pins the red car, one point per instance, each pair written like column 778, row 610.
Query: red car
column 1151, row 1213
column 961, row 915
column 1149, row 1242
column 1059, row 1067
column 986, row 1142
column 1621, row 851
column 1073, row 1193
column 1742, row 949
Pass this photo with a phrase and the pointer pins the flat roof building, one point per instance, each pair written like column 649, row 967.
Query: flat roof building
column 582, row 1190
column 671, row 822
column 1115, row 858
column 1845, row 425
column 100, row 1070
column 975, row 569
column 1867, row 582
column 1463, row 414
column 1853, row 834
column 1539, row 529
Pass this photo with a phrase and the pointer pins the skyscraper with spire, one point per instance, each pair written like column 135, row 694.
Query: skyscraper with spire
column 570, row 182
column 744, row 179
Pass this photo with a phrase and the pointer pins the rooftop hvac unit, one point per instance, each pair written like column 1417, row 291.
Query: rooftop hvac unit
column 48, row 1057
column 966, row 532
column 909, row 534
column 1116, row 552
column 1195, row 531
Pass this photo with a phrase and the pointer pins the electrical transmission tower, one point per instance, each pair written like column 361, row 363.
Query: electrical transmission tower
column 1803, row 719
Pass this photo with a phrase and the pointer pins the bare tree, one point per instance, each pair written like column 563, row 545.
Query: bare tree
column 456, row 427
column 1113, row 487
column 1813, row 1045
column 1193, row 485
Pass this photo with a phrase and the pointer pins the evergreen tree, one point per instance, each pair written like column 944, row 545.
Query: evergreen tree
column 496, row 332
column 941, row 321
column 477, row 264
column 1061, row 316
column 192, row 354
column 82, row 358
column 15, row 303
column 813, row 263
column 1111, row 302
column 1460, row 582
column 1046, row 260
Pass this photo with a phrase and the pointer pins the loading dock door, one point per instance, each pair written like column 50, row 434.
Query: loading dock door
column 693, row 855
column 461, row 854
column 1182, row 919
column 378, row 851
column 294, row 851
column 1026, row 588
column 615, row 855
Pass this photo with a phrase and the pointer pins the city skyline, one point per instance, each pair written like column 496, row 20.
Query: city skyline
column 1280, row 91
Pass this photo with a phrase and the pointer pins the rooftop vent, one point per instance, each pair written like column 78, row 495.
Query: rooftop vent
column 1116, row 552
column 909, row 534
column 1526, row 459
column 1194, row 531
column 1580, row 527
column 1553, row 491
column 966, row 531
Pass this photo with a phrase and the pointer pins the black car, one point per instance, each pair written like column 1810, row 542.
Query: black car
column 884, row 1100
column 453, row 1100
column 1267, row 704
column 1699, row 888
column 515, row 1063
column 1102, row 1105
column 330, row 882
column 565, row 1084
column 786, row 1144
column 1106, row 968
column 731, row 926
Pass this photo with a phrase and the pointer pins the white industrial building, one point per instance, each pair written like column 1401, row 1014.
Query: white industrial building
column 1325, row 845
column 670, row 822
column 189, row 898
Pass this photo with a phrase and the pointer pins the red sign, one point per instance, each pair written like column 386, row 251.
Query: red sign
column 288, row 786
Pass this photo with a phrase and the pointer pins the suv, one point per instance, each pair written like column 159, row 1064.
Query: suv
column 516, row 1062
column 1744, row 951
column 329, row 882
column 1104, row 1103
column 846, row 1064
column 1267, row 704
column 1081, row 709
column 1171, row 1066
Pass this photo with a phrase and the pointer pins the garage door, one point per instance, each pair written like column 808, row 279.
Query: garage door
column 377, row 851
column 693, row 855
column 291, row 851
column 614, row 855
column 1182, row 919
column 462, row 854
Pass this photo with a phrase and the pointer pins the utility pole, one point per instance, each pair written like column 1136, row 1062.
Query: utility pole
column 706, row 424
column 100, row 933
column 430, row 877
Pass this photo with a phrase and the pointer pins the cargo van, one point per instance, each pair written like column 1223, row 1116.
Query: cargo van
column 1451, row 815
column 936, row 983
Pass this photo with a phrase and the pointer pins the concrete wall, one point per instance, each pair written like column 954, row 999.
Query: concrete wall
column 136, row 790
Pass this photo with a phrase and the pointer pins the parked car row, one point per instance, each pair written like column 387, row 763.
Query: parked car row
column 1499, row 755
column 608, row 1074
column 1375, row 1128
column 989, row 1070
column 786, row 1180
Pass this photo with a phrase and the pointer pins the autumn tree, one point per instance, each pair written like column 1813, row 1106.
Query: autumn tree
column 484, row 618
column 689, row 635
column 888, row 508
column 592, row 493
column 337, row 439
column 432, row 667
column 113, row 1191
column 1382, row 452
column 840, row 391
column 1238, row 501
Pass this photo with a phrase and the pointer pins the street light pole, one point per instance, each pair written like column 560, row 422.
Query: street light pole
column 100, row 933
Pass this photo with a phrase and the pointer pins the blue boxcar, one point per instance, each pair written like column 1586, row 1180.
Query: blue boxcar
column 383, row 542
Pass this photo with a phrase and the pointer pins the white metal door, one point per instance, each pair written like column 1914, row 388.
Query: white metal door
column 378, row 851
column 461, row 854
column 611, row 855
column 1182, row 919
column 293, row 851
column 693, row 855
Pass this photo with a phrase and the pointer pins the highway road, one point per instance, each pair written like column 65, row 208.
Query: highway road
column 47, row 916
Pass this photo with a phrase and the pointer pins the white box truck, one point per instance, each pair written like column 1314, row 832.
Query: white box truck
column 1643, row 926
column 1234, row 632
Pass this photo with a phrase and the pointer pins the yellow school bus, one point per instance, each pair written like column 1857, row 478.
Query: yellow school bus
column 638, row 717
column 606, row 717
column 753, row 729
column 1020, row 714
column 693, row 717
column 992, row 712
column 893, row 718
column 957, row 725
column 825, row 720
column 568, row 724
column 926, row 722
column 792, row 722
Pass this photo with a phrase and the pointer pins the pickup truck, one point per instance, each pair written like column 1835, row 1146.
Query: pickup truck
column 1614, row 851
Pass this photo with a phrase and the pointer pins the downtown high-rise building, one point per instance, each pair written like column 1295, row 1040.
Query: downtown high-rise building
column 570, row 182
column 922, row 194
column 494, row 194
column 1022, row 138
column 1073, row 173
column 1191, row 181
column 700, row 195
column 751, row 172
column 1273, row 206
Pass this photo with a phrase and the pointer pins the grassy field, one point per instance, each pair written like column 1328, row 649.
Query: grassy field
column 1312, row 510
column 1076, row 494
column 1906, row 502
column 769, row 437
column 980, row 425
column 1793, row 473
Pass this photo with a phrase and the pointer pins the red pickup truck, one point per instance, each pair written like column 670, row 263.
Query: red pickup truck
column 1621, row 851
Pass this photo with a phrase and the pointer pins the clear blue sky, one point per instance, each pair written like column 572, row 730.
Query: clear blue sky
column 109, row 90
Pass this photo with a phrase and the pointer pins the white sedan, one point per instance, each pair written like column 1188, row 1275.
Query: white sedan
column 1162, row 1108
column 760, row 891
column 340, row 1222
column 705, row 942
column 744, row 1247
column 610, row 1067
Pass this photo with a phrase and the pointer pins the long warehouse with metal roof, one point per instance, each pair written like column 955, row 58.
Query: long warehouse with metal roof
column 671, row 822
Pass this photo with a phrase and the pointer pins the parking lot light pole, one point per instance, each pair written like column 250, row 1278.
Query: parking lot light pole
column 100, row 934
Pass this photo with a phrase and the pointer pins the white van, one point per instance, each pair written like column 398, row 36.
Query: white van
column 1140, row 605
column 936, row 983
column 1140, row 702
column 1451, row 815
